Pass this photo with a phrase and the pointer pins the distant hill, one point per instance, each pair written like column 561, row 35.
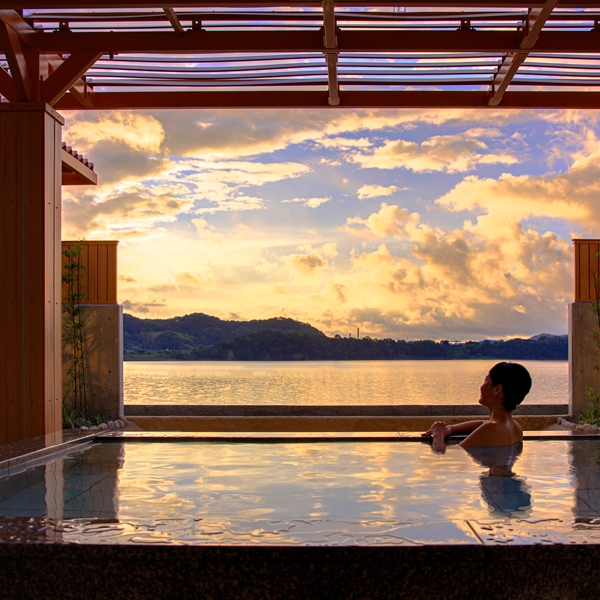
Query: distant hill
column 198, row 329
column 270, row 345
column 202, row 337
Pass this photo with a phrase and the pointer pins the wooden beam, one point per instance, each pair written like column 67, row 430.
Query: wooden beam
column 67, row 74
column 312, row 41
column 16, row 22
column 11, row 45
column 512, row 61
column 330, row 43
column 71, row 4
column 74, row 172
column 332, row 79
column 320, row 99
column 82, row 94
column 7, row 86
column 175, row 23
column 80, row 90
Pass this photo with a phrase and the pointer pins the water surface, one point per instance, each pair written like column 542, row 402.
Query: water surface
column 351, row 493
column 329, row 382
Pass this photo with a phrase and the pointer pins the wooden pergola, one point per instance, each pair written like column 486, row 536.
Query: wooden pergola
column 138, row 54
column 75, row 54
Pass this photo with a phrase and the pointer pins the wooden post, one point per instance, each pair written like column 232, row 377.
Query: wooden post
column 583, row 352
column 30, row 275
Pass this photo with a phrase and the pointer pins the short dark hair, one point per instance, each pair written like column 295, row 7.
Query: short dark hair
column 515, row 381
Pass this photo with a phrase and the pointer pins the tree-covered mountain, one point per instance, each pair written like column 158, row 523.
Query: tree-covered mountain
column 202, row 337
column 271, row 345
column 197, row 329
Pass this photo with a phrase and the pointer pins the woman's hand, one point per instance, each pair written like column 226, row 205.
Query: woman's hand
column 438, row 429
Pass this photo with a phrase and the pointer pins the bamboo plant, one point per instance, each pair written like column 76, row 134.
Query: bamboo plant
column 75, row 400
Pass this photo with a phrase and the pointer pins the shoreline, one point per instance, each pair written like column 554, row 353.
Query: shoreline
column 235, row 360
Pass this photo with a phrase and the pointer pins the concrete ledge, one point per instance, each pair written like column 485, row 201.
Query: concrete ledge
column 268, row 424
column 377, row 410
column 248, row 572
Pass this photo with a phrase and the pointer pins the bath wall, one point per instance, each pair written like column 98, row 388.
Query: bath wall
column 584, row 355
column 104, row 359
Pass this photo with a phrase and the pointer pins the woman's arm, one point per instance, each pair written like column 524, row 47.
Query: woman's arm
column 466, row 427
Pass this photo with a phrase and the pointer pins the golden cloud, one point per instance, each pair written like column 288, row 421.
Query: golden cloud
column 375, row 191
column 450, row 153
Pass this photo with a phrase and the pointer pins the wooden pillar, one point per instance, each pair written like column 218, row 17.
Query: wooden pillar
column 30, row 271
column 584, row 354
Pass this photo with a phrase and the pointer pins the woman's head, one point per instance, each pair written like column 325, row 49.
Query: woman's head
column 515, row 381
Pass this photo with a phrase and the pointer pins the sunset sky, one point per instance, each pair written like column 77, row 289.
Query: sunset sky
column 410, row 224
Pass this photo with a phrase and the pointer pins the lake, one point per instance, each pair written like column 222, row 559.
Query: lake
column 329, row 382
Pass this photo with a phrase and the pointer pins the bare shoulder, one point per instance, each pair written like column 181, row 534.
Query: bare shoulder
column 495, row 434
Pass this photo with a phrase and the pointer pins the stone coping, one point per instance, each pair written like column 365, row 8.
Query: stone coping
column 18, row 453
column 313, row 436
column 363, row 424
column 376, row 410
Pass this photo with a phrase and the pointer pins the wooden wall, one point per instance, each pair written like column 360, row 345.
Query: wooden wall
column 99, row 280
column 30, row 246
column 587, row 268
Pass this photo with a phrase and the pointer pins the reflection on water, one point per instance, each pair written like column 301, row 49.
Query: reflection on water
column 502, row 490
column 585, row 466
column 329, row 382
column 84, row 484
column 310, row 493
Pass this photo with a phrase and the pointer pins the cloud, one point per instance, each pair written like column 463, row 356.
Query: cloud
column 133, row 209
column 116, row 163
column 232, row 134
column 186, row 278
column 306, row 262
column 375, row 191
column 207, row 232
column 390, row 220
column 310, row 202
column 329, row 249
column 571, row 195
column 343, row 143
column 140, row 307
column 139, row 131
column 450, row 153
column 489, row 258
column 126, row 279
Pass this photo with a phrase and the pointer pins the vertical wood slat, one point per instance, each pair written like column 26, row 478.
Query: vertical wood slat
column 587, row 268
column 11, row 282
column 111, row 273
column 35, row 254
column 100, row 274
column 92, row 273
column 57, row 277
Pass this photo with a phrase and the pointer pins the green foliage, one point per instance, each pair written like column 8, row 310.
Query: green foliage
column 272, row 345
column 591, row 414
column 172, row 340
column 199, row 330
column 74, row 419
column 75, row 401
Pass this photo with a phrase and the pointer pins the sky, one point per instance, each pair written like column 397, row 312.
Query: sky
column 407, row 224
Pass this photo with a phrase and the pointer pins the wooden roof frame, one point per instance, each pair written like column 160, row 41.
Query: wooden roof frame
column 70, row 66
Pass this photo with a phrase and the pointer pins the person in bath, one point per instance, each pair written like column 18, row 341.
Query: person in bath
column 503, row 389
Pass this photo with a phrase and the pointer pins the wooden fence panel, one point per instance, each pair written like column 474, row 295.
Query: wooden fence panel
column 587, row 268
column 100, row 271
